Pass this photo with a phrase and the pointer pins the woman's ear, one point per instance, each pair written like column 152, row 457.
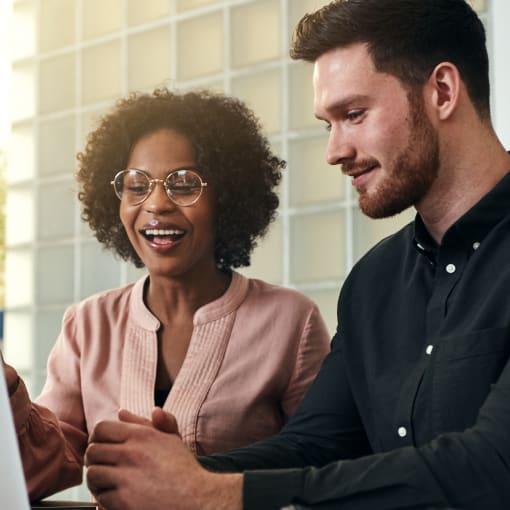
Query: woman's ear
column 443, row 89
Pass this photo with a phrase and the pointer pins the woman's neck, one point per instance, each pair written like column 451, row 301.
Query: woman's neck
column 171, row 297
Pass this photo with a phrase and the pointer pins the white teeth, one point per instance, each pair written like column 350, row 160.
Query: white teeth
column 161, row 232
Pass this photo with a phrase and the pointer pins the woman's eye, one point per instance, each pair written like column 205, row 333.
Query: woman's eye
column 183, row 190
column 137, row 189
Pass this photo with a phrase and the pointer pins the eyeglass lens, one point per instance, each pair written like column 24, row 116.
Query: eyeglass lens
column 183, row 187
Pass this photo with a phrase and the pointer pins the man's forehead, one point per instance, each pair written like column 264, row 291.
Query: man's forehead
column 341, row 72
column 344, row 58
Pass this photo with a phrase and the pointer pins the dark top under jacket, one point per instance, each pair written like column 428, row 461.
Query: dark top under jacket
column 416, row 390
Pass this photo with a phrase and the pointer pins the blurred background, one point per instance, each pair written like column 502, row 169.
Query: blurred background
column 64, row 62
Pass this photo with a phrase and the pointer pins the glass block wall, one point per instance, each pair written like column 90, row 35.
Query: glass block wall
column 72, row 58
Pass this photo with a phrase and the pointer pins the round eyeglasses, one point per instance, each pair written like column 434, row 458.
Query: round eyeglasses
column 183, row 186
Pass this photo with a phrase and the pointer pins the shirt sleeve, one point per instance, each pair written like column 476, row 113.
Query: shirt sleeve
column 52, row 443
column 468, row 469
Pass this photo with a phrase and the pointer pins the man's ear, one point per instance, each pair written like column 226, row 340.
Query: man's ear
column 443, row 89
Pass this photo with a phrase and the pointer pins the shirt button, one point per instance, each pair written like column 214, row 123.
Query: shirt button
column 429, row 349
column 402, row 431
column 450, row 268
column 476, row 246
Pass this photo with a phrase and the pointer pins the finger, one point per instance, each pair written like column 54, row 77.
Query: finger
column 101, row 478
column 109, row 432
column 104, row 454
column 110, row 500
column 165, row 422
column 129, row 417
column 107, row 487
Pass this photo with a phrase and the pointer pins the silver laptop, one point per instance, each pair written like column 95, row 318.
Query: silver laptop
column 13, row 490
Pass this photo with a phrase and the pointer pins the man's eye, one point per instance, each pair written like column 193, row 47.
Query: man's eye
column 354, row 114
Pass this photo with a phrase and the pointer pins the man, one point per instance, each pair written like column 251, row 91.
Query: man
column 412, row 407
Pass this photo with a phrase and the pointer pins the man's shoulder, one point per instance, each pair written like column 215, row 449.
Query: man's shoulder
column 388, row 250
column 379, row 272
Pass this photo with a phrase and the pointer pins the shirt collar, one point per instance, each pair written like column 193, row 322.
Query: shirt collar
column 470, row 229
column 214, row 310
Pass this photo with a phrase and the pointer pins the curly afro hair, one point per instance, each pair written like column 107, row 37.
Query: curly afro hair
column 231, row 153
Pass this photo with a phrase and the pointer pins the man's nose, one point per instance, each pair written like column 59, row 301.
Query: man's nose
column 339, row 148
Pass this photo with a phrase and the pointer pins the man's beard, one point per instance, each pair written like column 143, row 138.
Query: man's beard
column 413, row 171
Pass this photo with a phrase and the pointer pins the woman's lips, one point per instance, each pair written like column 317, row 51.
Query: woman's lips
column 162, row 238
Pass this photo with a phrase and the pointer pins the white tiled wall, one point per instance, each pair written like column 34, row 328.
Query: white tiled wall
column 73, row 58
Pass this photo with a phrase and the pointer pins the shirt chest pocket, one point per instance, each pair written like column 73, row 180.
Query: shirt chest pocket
column 469, row 366
column 477, row 344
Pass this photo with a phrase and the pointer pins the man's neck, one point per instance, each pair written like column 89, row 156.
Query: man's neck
column 462, row 181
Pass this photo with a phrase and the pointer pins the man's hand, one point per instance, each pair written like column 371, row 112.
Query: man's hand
column 133, row 465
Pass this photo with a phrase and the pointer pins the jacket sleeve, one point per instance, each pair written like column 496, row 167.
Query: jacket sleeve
column 52, row 442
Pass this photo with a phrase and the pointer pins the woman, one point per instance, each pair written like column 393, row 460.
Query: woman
column 183, row 185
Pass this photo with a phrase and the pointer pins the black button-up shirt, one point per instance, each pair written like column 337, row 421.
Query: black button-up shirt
column 416, row 390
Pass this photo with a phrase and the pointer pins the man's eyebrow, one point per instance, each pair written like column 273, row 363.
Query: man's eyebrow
column 343, row 104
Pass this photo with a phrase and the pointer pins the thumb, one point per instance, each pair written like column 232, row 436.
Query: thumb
column 129, row 417
column 165, row 422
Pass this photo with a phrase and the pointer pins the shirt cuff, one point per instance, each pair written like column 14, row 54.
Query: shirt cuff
column 271, row 489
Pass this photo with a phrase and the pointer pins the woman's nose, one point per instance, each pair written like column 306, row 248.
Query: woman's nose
column 158, row 200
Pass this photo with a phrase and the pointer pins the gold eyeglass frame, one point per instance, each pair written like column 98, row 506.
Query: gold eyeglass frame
column 164, row 182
